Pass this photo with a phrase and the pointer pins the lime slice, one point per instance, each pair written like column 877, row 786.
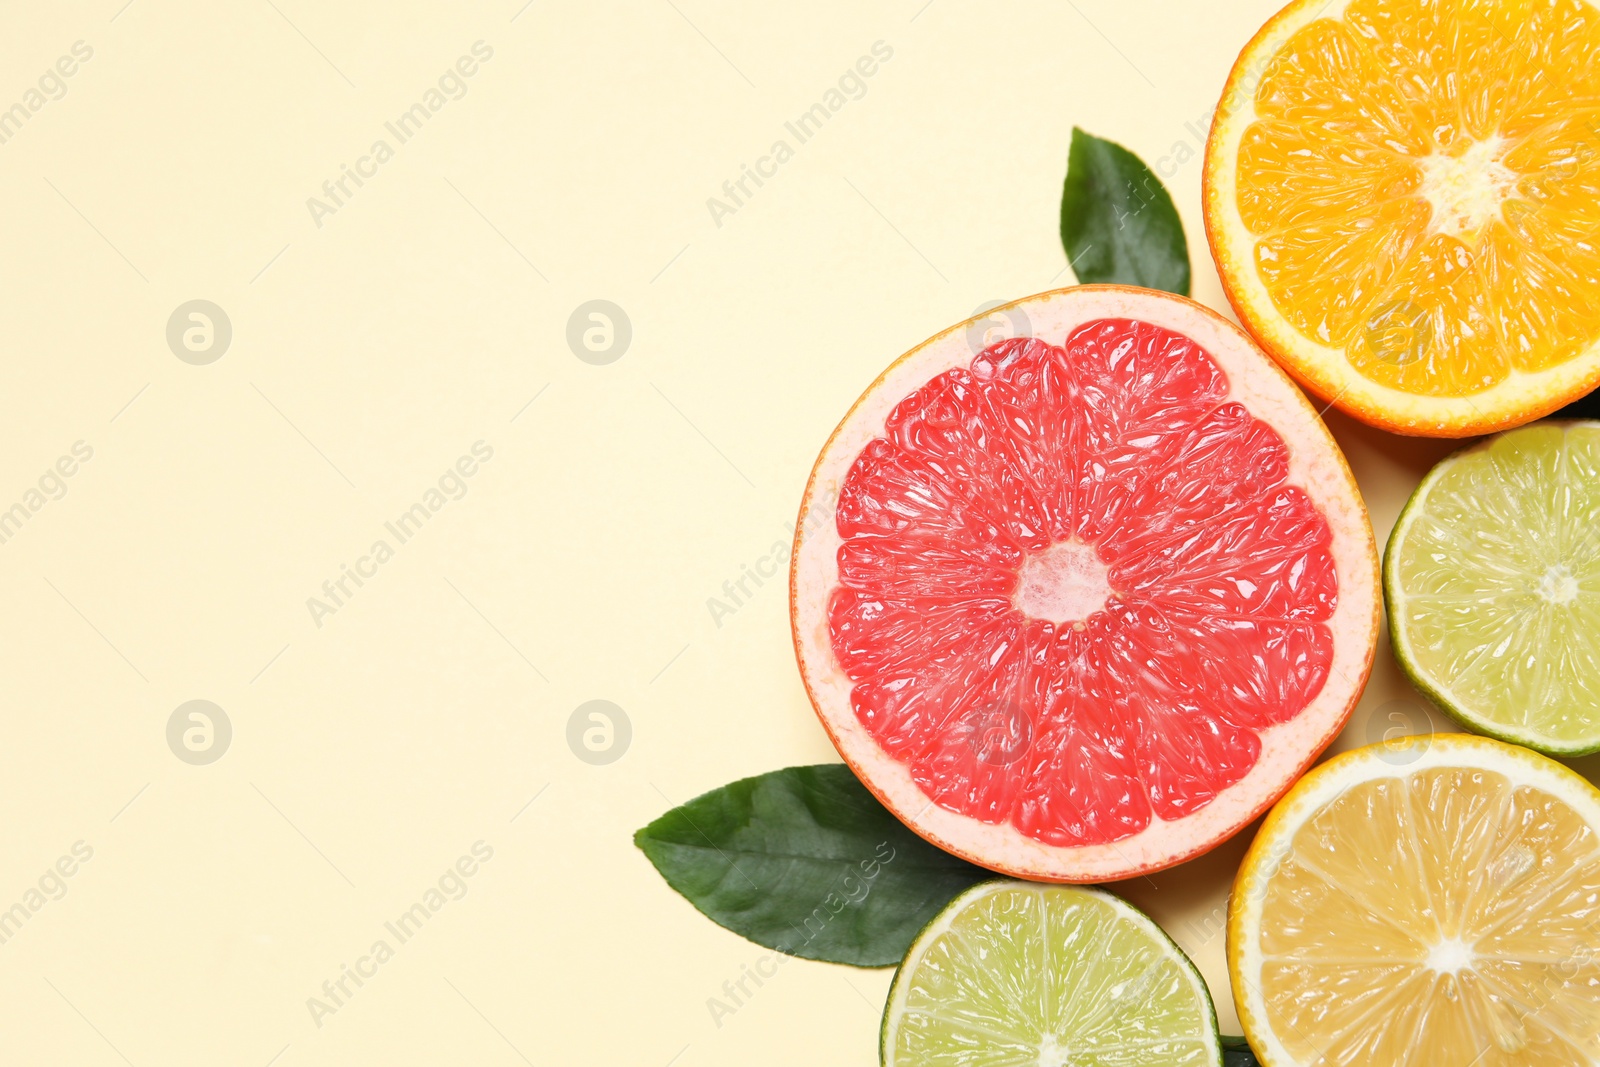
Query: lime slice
column 1013, row 974
column 1492, row 579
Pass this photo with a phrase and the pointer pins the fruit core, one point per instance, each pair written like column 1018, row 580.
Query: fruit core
column 1051, row 1054
column 1558, row 586
column 1450, row 956
column 1465, row 191
column 1064, row 583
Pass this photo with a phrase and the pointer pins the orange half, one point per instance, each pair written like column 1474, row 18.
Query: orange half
column 1403, row 201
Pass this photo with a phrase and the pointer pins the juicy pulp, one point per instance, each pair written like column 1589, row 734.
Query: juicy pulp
column 1015, row 974
column 1419, row 188
column 1429, row 902
column 1494, row 586
column 1118, row 466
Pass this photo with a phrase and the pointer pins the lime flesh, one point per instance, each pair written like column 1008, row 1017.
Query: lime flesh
column 1492, row 580
column 1013, row 974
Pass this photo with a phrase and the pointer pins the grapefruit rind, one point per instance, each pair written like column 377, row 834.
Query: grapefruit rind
column 1437, row 693
column 894, row 1006
column 1315, row 465
column 1321, row 786
column 1322, row 369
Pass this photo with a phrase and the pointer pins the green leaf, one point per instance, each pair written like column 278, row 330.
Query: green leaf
column 807, row 862
column 1236, row 1052
column 1117, row 221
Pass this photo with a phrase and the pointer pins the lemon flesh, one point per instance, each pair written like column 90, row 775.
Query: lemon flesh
column 1428, row 903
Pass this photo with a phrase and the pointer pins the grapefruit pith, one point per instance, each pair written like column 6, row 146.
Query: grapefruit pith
column 1080, row 605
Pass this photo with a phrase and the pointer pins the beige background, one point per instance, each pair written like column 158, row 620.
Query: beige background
column 427, row 313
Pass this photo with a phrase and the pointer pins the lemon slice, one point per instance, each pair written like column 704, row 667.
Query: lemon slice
column 1013, row 974
column 1402, row 200
column 1430, row 902
column 1492, row 583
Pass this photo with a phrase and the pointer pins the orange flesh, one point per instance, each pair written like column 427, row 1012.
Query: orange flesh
column 1422, row 183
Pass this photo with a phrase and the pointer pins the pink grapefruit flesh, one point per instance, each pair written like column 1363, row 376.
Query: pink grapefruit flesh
column 1081, row 605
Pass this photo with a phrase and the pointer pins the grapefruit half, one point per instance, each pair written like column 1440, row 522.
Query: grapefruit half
column 1081, row 604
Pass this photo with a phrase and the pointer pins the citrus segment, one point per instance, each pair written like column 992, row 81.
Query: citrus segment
column 1079, row 587
column 1427, row 902
column 1011, row 974
column 1493, row 581
column 1401, row 198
